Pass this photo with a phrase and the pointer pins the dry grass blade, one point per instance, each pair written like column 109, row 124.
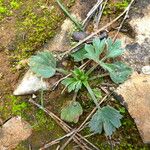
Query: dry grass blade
column 96, row 32
column 125, row 17
column 84, row 122
column 79, row 139
column 100, row 13
column 56, row 141
column 91, row 12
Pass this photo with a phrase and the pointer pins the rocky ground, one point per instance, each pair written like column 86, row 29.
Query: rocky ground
column 27, row 27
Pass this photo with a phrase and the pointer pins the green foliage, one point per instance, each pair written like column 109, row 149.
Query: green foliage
column 43, row 64
column 17, row 106
column 121, row 5
column 113, row 48
column 36, row 23
column 116, row 7
column 43, row 121
column 14, row 4
column 76, row 82
column 3, row 10
column 73, row 19
column 107, row 119
column 79, row 55
column 7, row 8
column 79, row 79
column 72, row 112
column 94, row 51
column 90, row 51
column 119, row 72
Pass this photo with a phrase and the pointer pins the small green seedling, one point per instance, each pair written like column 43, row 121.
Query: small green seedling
column 101, row 52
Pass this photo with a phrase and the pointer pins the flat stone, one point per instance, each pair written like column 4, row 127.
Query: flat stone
column 30, row 84
column 138, row 48
column 136, row 93
column 13, row 132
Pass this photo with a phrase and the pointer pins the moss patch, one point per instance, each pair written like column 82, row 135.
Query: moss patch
column 35, row 23
column 115, row 7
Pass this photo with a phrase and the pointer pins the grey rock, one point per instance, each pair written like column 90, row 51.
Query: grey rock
column 30, row 84
column 138, row 48
column 136, row 91
column 78, row 36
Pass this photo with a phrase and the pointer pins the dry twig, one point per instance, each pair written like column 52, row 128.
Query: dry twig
column 81, row 126
column 79, row 139
column 91, row 12
column 56, row 141
column 125, row 17
column 96, row 32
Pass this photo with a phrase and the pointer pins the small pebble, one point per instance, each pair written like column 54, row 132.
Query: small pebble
column 146, row 70
column 78, row 36
column 34, row 96
column 1, row 75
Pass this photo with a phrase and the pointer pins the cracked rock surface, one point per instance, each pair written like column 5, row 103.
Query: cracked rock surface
column 136, row 91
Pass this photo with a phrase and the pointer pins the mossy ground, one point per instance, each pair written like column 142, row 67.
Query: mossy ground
column 35, row 23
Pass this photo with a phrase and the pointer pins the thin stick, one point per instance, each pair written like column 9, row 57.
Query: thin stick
column 89, row 135
column 125, row 17
column 58, row 147
column 62, row 124
column 96, row 32
column 91, row 12
column 100, row 14
column 84, row 122
column 56, row 141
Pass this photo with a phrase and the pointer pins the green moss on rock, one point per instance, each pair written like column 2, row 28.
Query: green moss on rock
column 36, row 23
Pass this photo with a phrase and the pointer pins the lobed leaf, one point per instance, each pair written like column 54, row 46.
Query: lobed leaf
column 79, row 55
column 94, row 51
column 119, row 72
column 72, row 84
column 43, row 64
column 99, row 46
column 113, row 48
column 75, row 83
column 107, row 119
column 72, row 112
